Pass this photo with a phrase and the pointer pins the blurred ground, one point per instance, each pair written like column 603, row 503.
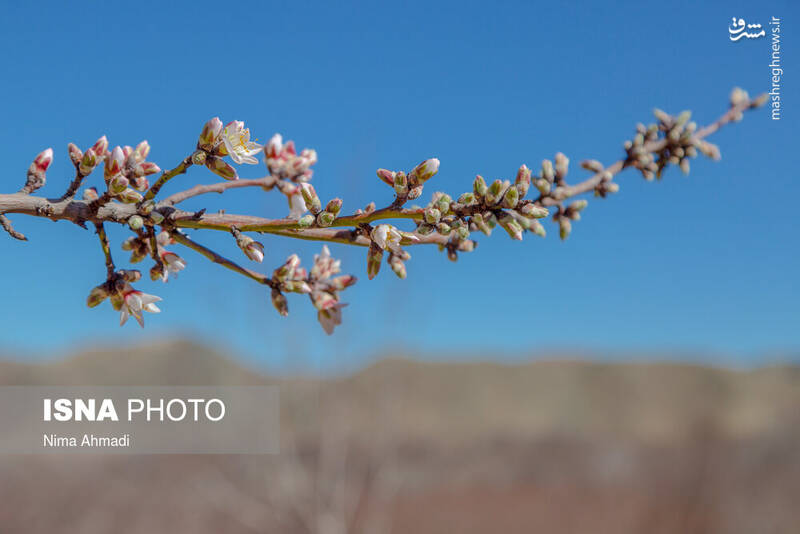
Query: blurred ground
column 411, row 447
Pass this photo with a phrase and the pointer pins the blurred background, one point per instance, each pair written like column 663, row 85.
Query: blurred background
column 641, row 376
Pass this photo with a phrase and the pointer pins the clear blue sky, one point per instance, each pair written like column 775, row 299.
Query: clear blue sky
column 708, row 264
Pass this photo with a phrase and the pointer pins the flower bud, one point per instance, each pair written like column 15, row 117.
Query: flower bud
column 343, row 282
column 88, row 162
column 533, row 211
column 75, row 154
column 511, row 198
column 305, row 221
column 113, row 163
column 386, row 176
column 479, row 186
column 510, row 225
column 129, row 196
column 547, row 170
column 325, row 219
column 398, row 266
column 36, row 172
column 424, row 171
column 480, row 222
column 523, row 180
column 97, row 295
column 334, row 206
column 467, row 199
column 312, row 201
column 141, row 151
column 538, row 229
column 146, row 169
column 432, row 215
column 443, row 203
column 118, row 184
column 135, row 222
column 578, row 205
column 222, row 168
column 562, row 165
column 564, row 227
column 210, row 134
column 494, row 193
column 400, row 183
column 374, row 257
column 280, row 302
column 100, row 147
column 274, row 147
column 542, row 185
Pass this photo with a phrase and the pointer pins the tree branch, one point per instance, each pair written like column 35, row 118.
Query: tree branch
column 6, row 224
column 444, row 222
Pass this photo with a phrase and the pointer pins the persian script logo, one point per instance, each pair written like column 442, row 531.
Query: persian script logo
column 737, row 30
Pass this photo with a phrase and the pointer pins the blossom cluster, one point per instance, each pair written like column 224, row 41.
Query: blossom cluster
column 125, row 169
column 317, row 284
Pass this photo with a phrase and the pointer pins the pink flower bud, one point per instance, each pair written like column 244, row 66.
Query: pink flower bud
column 43, row 160
column 289, row 149
column 210, row 134
column 424, row 171
column 100, row 147
column 386, row 176
column 75, row 154
column 146, row 169
column 114, row 163
column 343, row 282
column 141, row 151
column 274, row 147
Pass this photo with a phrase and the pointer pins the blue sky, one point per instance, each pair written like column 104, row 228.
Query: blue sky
column 707, row 264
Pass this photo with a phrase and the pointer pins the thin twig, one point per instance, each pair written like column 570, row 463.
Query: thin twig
column 104, row 244
column 220, row 187
column 73, row 186
column 183, row 239
column 166, row 177
column 7, row 226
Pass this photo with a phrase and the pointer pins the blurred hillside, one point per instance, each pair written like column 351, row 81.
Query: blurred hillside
column 410, row 446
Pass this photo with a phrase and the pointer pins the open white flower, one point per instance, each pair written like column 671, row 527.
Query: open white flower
column 237, row 143
column 387, row 236
column 134, row 303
